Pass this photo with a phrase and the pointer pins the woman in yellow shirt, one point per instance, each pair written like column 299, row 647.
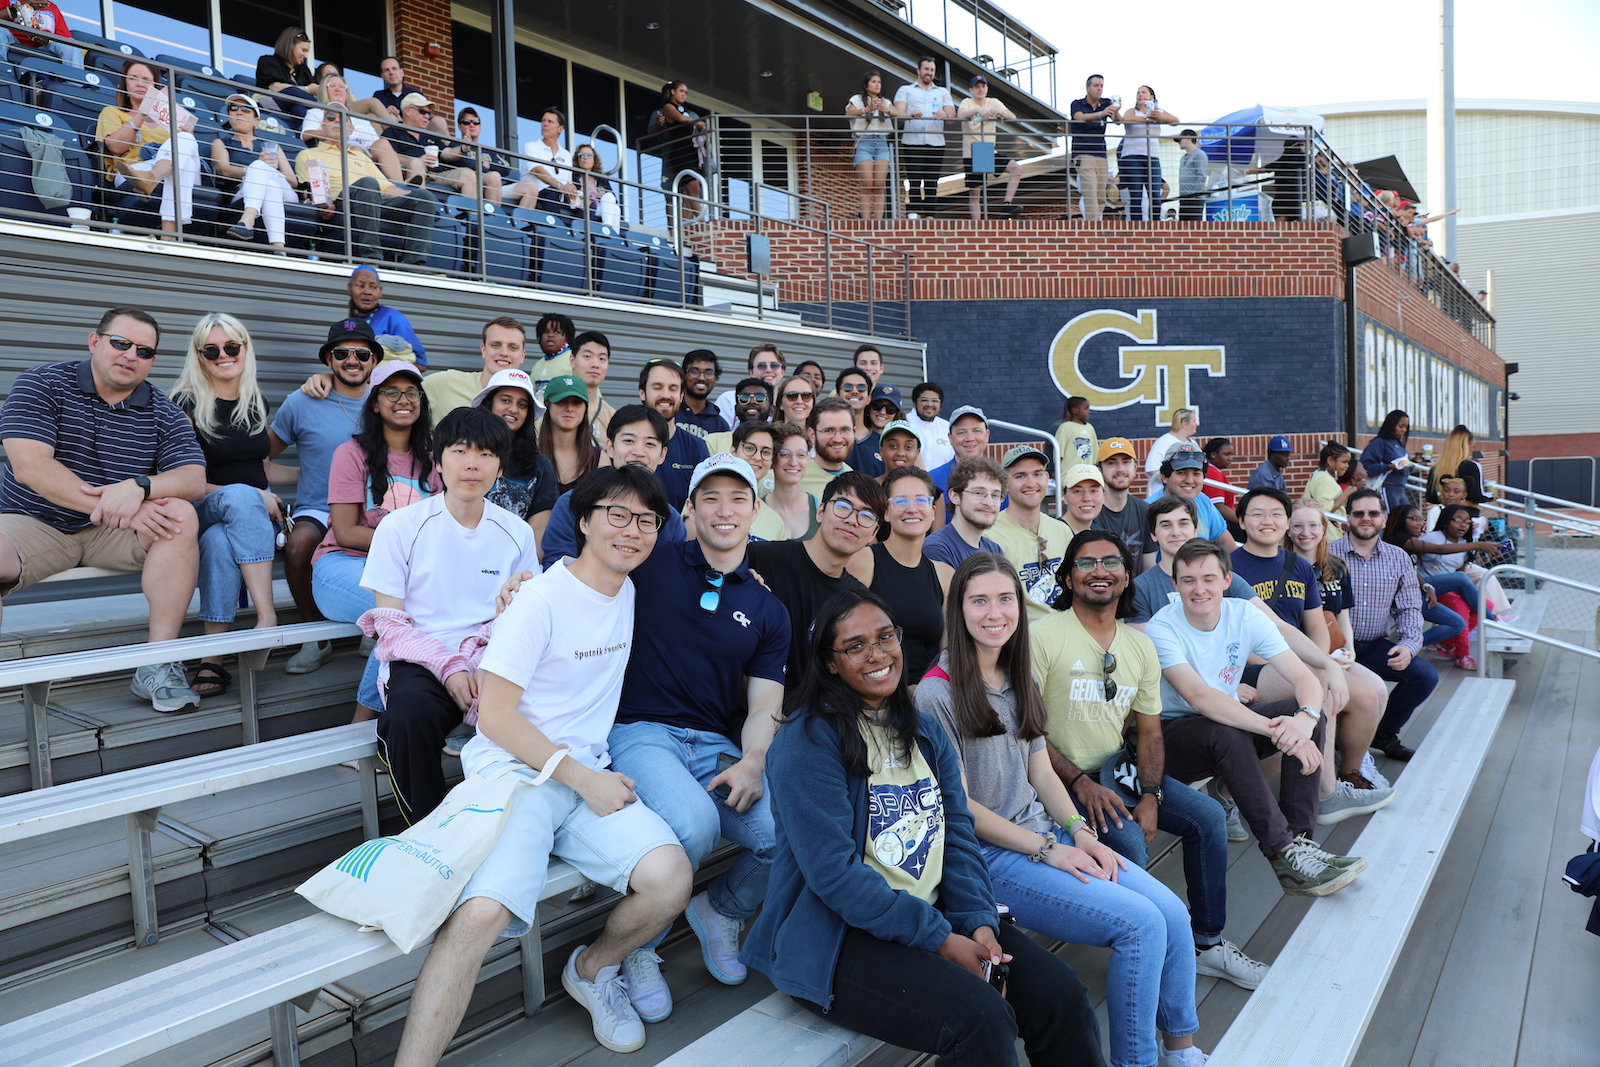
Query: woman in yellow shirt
column 124, row 130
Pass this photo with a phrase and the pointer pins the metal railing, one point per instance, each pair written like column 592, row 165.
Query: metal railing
column 1529, row 576
column 1051, row 443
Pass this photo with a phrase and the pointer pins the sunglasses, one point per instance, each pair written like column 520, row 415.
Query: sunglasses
column 712, row 596
column 854, row 388
column 1366, row 514
column 751, row 398
column 351, row 353
column 586, row 155
column 122, row 344
column 214, row 353
column 1108, row 667
column 239, row 107
column 793, row 395
column 469, row 122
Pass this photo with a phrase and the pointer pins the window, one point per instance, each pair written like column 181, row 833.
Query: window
column 474, row 75
column 541, row 83
column 352, row 34
column 81, row 15
column 249, row 30
column 177, row 28
column 638, row 104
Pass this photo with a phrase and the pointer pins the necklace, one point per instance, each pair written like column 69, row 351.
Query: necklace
column 335, row 397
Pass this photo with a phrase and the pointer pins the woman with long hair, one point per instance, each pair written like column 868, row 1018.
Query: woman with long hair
column 527, row 486
column 794, row 505
column 285, row 69
column 1385, row 459
column 1455, row 461
column 565, row 435
column 1325, row 487
column 217, row 389
column 124, row 130
column 896, row 569
column 879, row 913
column 1045, row 861
column 1405, row 530
column 258, row 173
column 871, row 124
column 794, row 399
column 1139, row 157
column 595, row 195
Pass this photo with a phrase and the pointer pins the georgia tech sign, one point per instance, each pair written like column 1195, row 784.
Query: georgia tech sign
column 1152, row 374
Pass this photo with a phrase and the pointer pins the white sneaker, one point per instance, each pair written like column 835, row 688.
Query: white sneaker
column 647, row 990
column 312, row 655
column 1181, row 1057
column 165, row 686
column 616, row 1025
column 1224, row 960
column 1369, row 771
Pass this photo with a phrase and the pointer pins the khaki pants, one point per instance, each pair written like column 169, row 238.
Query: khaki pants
column 45, row 550
column 1092, row 175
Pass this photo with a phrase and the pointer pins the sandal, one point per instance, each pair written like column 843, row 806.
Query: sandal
column 211, row 680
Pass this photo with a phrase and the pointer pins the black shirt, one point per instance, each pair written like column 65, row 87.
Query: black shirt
column 799, row 586
column 411, row 142
column 1129, row 526
column 916, row 599
column 234, row 455
column 269, row 69
column 1337, row 593
column 388, row 99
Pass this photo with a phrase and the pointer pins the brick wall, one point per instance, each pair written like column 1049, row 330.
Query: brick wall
column 1533, row 445
column 418, row 24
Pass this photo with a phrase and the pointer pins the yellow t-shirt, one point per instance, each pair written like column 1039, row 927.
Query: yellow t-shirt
column 905, row 816
column 978, row 121
column 113, row 119
column 1037, row 557
column 448, row 390
column 816, row 479
column 1078, row 442
column 1069, row 666
column 357, row 163
column 1324, row 489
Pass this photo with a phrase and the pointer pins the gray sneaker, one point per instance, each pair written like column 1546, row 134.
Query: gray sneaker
column 1352, row 863
column 1237, row 831
column 312, row 655
column 165, row 686
column 1347, row 802
column 457, row 739
column 1224, row 960
column 1303, row 871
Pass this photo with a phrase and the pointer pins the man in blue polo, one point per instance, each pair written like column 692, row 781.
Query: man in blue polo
column 708, row 641
column 1270, row 474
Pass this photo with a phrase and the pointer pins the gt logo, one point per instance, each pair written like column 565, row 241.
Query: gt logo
column 742, row 619
column 1152, row 374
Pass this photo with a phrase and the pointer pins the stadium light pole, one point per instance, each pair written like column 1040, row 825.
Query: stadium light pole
column 1442, row 134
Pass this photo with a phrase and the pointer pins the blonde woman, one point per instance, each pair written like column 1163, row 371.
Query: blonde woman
column 1455, row 461
column 794, row 505
column 218, row 391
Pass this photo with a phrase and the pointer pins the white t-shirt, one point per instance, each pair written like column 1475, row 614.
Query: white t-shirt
column 363, row 134
column 567, row 646
column 1590, row 820
column 1159, row 450
column 1219, row 657
column 447, row 574
column 724, row 405
column 558, row 161
column 936, row 447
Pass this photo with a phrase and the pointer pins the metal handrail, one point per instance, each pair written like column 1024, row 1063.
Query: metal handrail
column 1558, row 501
column 1486, row 624
column 1050, row 442
column 1338, row 520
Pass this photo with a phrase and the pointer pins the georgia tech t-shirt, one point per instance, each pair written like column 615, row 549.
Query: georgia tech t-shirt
column 1069, row 665
column 905, row 816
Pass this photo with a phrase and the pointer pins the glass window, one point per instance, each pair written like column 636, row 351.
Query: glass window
column 81, row 15
column 638, row 103
column 352, row 34
column 249, row 30
column 541, row 84
column 176, row 28
column 775, row 173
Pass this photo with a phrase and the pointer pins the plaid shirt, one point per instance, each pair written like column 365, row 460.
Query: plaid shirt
column 1385, row 587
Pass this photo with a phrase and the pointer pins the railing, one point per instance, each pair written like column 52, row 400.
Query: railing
column 1529, row 575
column 1573, row 531
column 994, row 39
column 1050, row 443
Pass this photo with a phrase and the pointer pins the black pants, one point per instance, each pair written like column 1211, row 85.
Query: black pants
column 414, row 213
column 921, row 1001
column 922, row 165
column 411, row 730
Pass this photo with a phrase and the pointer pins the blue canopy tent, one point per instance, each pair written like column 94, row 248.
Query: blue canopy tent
column 1241, row 137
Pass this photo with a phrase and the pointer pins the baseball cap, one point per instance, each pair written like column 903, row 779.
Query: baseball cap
column 415, row 100
column 1187, row 458
column 393, row 367
column 721, row 463
column 1279, row 443
column 1082, row 472
column 1116, row 446
column 349, row 330
column 886, row 392
column 243, row 99
column 514, row 379
column 564, row 387
column 976, row 78
column 901, row 424
column 1022, row 452
column 968, row 409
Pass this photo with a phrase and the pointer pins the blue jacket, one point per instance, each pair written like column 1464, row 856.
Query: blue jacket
column 385, row 319
column 561, row 532
column 1377, row 457
column 820, row 885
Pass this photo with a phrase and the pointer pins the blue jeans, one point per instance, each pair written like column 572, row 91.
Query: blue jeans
column 1459, row 583
column 1137, row 174
column 1151, row 982
column 670, row 767
column 234, row 529
column 1200, row 822
column 1443, row 624
column 1413, row 685
column 336, row 587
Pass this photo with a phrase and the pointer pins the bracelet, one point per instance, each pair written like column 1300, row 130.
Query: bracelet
column 1081, row 774
column 1076, row 823
column 1044, row 849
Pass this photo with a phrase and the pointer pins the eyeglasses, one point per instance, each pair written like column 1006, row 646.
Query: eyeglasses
column 749, row 449
column 1366, row 514
column 794, row 394
column 906, row 501
column 793, row 453
column 713, row 596
column 620, row 517
column 122, row 344
column 361, row 354
column 1305, row 527
column 767, row 366
column 861, row 651
column 1087, row 564
column 862, row 388
column 751, row 398
column 401, row 394
column 213, row 353
column 699, row 372
column 843, row 509
column 983, row 494
column 1107, row 668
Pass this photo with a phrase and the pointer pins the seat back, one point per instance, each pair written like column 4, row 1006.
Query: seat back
column 558, row 259
column 185, row 63
column 10, row 88
column 507, row 245
column 624, row 269
column 111, row 64
column 16, row 166
column 74, row 95
column 669, row 271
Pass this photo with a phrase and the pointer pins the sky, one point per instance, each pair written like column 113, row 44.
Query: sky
column 1205, row 60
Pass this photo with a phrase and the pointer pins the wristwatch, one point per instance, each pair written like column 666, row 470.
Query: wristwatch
column 1151, row 791
column 143, row 482
column 1315, row 713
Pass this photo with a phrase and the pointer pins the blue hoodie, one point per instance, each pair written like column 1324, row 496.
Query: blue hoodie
column 820, row 886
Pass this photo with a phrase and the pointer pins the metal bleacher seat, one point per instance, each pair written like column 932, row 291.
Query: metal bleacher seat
column 73, row 95
column 558, row 252
column 16, row 170
column 670, row 271
column 506, row 246
column 623, row 267
column 10, row 87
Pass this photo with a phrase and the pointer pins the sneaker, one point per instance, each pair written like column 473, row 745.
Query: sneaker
column 1010, row 210
column 312, row 655
column 1370, row 772
column 583, row 892
column 1303, row 872
column 1224, row 960
column 1347, row 801
column 165, row 686
column 647, row 990
column 719, row 940
column 1181, row 1057
column 1237, row 831
column 1351, row 863
column 457, row 739
column 616, row 1025
column 1391, row 746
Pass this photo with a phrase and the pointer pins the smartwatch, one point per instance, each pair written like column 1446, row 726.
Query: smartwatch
column 143, row 482
column 1149, row 791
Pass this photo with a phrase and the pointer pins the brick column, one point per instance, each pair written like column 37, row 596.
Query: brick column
column 418, row 24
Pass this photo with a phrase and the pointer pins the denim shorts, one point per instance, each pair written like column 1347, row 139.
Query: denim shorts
column 872, row 148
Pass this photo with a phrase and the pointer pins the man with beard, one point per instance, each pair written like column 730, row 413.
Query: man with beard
column 765, row 362
column 700, row 373
column 1121, row 512
column 832, row 429
column 976, row 489
column 752, row 403
column 661, row 388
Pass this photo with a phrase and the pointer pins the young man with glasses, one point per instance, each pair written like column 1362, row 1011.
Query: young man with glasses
column 711, row 640
column 101, row 471
column 765, row 362
column 804, row 575
column 700, row 372
column 1095, row 671
column 831, row 428
column 661, row 388
column 548, row 688
column 1034, row 542
column 976, row 489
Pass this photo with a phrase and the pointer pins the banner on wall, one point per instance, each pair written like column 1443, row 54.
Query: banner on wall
column 1438, row 395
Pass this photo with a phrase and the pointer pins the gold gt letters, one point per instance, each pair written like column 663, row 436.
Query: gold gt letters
column 1153, row 374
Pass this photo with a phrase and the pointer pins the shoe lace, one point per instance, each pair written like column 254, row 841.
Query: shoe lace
column 1305, row 858
column 613, row 995
column 730, row 929
column 170, row 676
column 642, row 970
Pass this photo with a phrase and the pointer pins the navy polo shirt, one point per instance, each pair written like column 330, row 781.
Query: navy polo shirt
column 684, row 453
column 687, row 666
column 1088, row 138
column 56, row 403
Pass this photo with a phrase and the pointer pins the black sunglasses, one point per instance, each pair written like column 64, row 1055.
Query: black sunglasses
column 213, row 353
column 469, row 122
column 122, row 344
column 1108, row 668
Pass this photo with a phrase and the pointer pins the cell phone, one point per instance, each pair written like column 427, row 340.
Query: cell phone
column 996, row 974
column 724, row 761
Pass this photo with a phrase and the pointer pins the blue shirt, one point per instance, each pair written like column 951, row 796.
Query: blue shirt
column 315, row 428
column 1267, row 476
column 561, row 533
column 708, row 421
column 684, row 452
column 946, row 546
column 387, row 320
column 1212, row 524
column 56, row 404
column 1088, row 138
column 867, row 456
column 1290, row 598
column 687, row 665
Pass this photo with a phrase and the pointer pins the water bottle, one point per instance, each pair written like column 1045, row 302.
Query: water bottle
column 313, row 257
column 116, row 225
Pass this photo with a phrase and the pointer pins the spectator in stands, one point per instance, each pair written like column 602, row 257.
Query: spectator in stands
column 854, row 387
column 752, row 403
column 46, row 17
column 897, row 571
column 926, row 400
column 976, row 488
column 984, row 695
column 1288, row 187
column 101, row 471
column 969, row 437
column 591, row 360
column 566, row 433
column 868, row 358
column 788, row 498
column 385, row 103
column 882, row 408
column 757, row 444
column 1270, row 474
column 871, row 126
column 316, row 426
column 365, row 289
column 713, row 642
column 1034, row 542
column 217, row 390
column 284, row 70
column 1076, row 438
column 899, row 446
column 860, row 941
column 1202, row 643
column 176, row 168
column 546, row 183
column 980, row 115
column 700, row 372
column 595, row 195
column 384, row 467
column 811, row 371
column 1219, row 457
column 1182, row 474
column 497, row 167
column 1121, row 512
column 1122, row 787
column 765, row 362
column 1456, row 460
column 1385, row 459
column 258, row 174
column 1324, row 486
column 425, row 157
column 1090, row 114
column 661, row 388
column 1185, row 424
column 1139, row 156
column 372, row 199
column 502, row 344
column 334, row 91
column 124, row 130
column 527, row 484
column 1194, row 176
column 1386, row 594
column 1439, row 555
column 831, row 430
column 925, row 106
column 434, row 570
column 554, row 333
column 1173, row 522
column 678, row 138
column 796, row 397
column 1083, row 493
column 805, row 575
column 549, row 683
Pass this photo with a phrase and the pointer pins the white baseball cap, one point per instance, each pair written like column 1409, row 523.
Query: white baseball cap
column 513, row 379
column 724, row 463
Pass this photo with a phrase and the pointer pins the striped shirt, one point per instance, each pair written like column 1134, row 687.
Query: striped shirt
column 1384, row 587
column 56, row 403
